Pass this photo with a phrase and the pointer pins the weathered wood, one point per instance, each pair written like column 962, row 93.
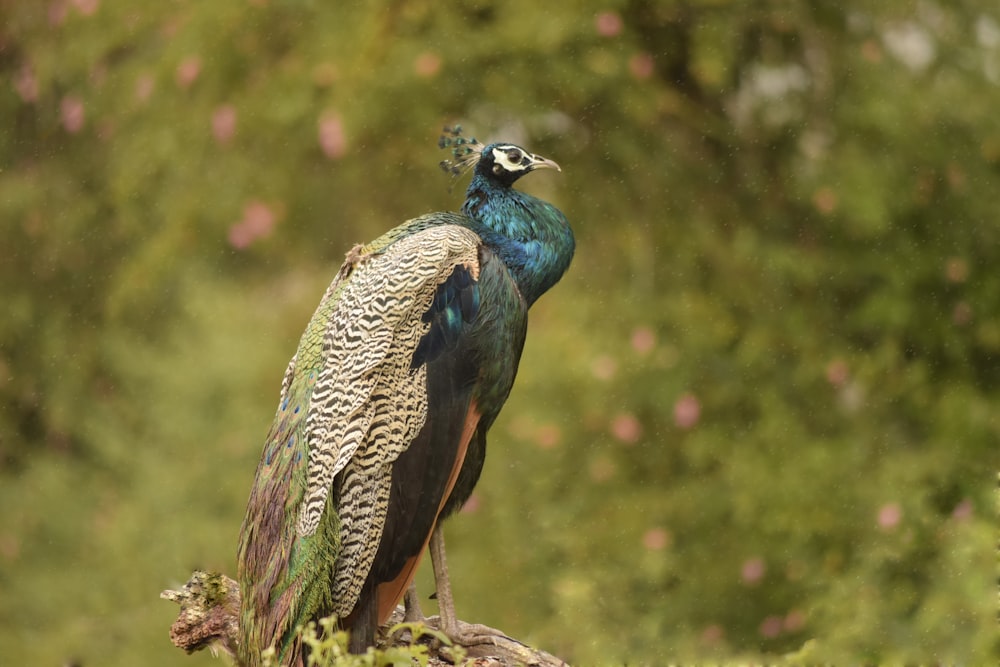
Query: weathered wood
column 210, row 612
column 209, row 618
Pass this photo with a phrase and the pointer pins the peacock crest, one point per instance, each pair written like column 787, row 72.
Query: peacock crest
column 465, row 151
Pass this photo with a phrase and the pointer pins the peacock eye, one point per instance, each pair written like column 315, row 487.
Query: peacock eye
column 514, row 156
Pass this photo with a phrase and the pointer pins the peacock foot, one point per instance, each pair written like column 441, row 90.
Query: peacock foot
column 480, row 641
column 476, row 641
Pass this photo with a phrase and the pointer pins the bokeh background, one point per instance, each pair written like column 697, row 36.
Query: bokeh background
column 757, row 417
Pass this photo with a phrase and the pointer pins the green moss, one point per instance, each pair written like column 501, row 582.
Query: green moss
column 328, row 647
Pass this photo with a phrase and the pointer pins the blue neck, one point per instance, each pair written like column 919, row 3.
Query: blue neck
column 531, row 236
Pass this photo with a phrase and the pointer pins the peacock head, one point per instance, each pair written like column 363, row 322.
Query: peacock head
column 499, row 162
column 506, row 163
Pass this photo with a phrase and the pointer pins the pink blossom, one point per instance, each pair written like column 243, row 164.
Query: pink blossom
column 963, row 510
column 548, row 436
column 608, row 24
column 144, row 87
column 57, row 12
column 712, row 634
column 837, row 373
column 188, row 71
column 325, row 74
column 257, row 222
column 753, row 571
column 427, row 64
column 825, row 200
column 962, row 313
column 332, row 138
column 889, row 516
column 643, row 340
column 687, row 411
column 641, row 66
column 472, row 505
column 224, row 123
column 604, row 368
column 86, row 7
column 956, row 270
column 259, row 217
column 871, row 51
column 26, row 83
column 657, row 539
column 626, row 428
column 72, row 113
column 239, row 237
column 10, row 546
column 771, row 626
column 794, row 621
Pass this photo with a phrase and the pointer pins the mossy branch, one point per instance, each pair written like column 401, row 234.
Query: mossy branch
column 209, row 618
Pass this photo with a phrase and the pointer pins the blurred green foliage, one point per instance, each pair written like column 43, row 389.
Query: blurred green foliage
column 758, row 417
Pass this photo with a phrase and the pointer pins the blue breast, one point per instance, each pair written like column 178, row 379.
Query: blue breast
column 531, row 236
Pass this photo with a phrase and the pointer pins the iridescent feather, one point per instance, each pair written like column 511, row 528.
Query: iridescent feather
column 380, row 428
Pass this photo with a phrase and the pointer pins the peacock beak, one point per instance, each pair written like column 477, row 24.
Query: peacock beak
column 539, row 162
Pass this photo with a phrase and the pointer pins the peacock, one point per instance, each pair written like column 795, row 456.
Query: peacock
column 380, row 431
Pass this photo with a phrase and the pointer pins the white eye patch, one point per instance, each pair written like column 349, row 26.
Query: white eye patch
column 511, row 158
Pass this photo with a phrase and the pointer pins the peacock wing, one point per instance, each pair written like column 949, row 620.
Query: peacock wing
column 370, row 400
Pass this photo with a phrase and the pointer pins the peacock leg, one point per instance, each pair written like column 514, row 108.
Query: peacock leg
column 446, row 603
column 464, row 634
column 411, row 602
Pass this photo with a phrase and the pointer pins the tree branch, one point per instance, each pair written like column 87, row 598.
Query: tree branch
column 209, row 618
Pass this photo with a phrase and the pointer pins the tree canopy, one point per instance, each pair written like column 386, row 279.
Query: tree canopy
column 757, row 418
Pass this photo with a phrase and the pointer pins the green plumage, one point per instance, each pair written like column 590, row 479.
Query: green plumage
column 293, row 579
column 339, row 410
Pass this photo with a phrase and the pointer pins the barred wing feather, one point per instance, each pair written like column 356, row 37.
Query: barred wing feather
column 368, row 403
